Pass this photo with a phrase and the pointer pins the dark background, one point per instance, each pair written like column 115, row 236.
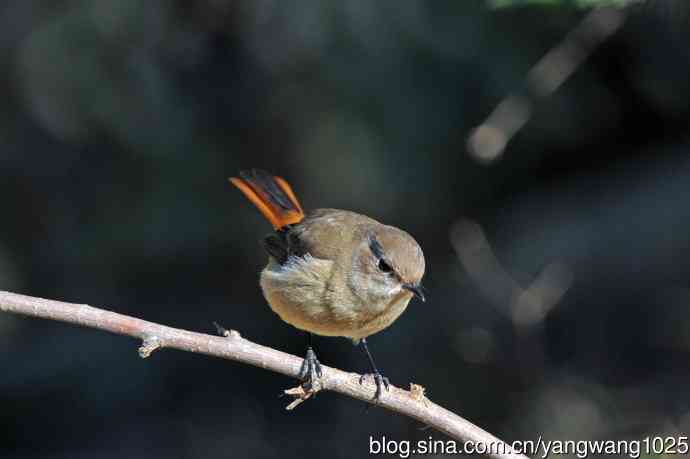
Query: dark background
column 121, row 120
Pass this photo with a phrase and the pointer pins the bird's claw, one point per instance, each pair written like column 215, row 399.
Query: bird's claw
column 310, row 371
column 380, row 381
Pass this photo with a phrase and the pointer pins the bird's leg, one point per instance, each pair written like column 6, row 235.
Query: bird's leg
column 379, row 379
column 311, row 367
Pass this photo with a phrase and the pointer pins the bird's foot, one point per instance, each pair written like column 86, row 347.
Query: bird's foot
column 310, row 372
column 380, row 380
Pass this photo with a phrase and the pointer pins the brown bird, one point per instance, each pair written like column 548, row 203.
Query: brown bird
column 332, row 272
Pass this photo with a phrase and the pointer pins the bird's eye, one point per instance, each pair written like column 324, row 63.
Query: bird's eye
column 384, row 267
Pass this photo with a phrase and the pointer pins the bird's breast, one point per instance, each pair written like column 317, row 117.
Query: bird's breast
column 375, row 322
column 300, row 293
column 303, row 295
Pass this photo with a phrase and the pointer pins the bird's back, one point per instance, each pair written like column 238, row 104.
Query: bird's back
column 324, row 232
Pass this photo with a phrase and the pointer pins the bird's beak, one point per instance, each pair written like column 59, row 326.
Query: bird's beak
column 416, row 290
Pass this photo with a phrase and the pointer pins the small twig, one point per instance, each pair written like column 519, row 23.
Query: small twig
column 418, row 393
column 232, row 346
column 149, row 345
column 300, row 395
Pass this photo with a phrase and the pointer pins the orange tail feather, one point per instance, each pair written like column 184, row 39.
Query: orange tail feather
column 271, row 195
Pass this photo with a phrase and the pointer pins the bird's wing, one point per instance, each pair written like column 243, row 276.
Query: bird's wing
column 283, row 245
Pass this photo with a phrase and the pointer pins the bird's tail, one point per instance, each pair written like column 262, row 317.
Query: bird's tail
column 271, row 195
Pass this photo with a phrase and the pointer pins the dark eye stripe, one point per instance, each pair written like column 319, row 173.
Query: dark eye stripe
column 375, row 247
column 377, row 250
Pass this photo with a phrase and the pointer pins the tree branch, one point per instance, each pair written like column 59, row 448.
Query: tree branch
column 233, row 347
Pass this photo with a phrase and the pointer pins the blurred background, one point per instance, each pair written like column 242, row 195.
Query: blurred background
column 551, row 196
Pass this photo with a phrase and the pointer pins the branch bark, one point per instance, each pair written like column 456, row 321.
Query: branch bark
column 411, row 403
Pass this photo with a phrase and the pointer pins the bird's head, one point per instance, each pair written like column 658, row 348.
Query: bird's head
column 387, row 262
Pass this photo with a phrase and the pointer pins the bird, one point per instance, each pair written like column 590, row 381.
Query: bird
column 332, row 272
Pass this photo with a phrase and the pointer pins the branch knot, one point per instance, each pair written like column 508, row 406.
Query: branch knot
column 150, row 344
